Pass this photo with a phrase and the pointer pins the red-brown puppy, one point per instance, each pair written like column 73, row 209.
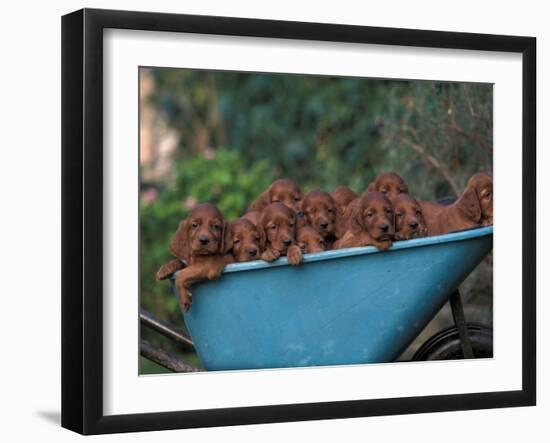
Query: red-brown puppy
column 279, row 225
column 309, row 240
column 245, row 241
column 409, row 221
column 321, row 213
column 390, row 184
column 371, row 223
column 200, row 242
column 343, row 196
column 473, row 208
column 283, row 191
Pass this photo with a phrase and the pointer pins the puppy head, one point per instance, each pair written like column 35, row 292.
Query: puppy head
column 309, row 240
column 343, row 196
column 482, row 184
column 409, row 220
column 283, row 191
column 320, row 212
column 253, row 217
column 201, row 233
column 279, row 224
column 374, row 214
column 390, row 184
column 244, row 240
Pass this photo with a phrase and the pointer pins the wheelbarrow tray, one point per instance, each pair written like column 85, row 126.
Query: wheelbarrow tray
column 339, row 307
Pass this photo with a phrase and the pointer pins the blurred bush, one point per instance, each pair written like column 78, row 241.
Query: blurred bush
column 238, row 132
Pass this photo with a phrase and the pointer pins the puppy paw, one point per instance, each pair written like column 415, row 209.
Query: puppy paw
column 270, row 255
column 383, row 245
column 294, row 255
column 186, row 299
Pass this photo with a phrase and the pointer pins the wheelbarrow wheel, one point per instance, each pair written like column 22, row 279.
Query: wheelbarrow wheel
column 445, row 345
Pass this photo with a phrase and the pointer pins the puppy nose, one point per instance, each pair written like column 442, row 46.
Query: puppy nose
column 204, row 240
column 287, row 242
column 323, row 224
column 413, row 224
column 252, row 251
column 384, row 227
column 300, row 213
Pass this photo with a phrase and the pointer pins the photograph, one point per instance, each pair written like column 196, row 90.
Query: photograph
column 297, row 220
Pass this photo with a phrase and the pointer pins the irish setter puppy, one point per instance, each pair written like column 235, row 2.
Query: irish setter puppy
column 409, row 221
column 200, row 243
column 321, row 213
column 279, row 225
column 473, row 208
column 390, row 184
column 309, row 240
column 283, row 191
column 343, row 196
column 370, row 223
column 245, row 241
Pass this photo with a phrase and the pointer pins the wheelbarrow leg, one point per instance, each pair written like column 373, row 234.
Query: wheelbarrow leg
column 460, row 323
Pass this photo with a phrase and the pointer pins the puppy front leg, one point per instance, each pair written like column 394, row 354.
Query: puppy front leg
column 167, row 269
column 294, row 255
column 270, row 254
column 215, row 269
column 184, row 279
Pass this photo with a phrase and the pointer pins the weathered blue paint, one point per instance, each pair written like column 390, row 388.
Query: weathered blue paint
column 346, row 306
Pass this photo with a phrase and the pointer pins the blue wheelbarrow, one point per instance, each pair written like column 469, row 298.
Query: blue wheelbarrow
column 339, row 307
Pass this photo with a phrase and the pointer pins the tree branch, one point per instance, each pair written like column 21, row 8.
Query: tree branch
column 432, row 161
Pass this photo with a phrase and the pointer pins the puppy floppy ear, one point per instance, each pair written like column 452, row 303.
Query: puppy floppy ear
column 179, row 245
column 261, row 234
column 227, row 239
column 469, row 206
column 356, row 221
column 261, row 202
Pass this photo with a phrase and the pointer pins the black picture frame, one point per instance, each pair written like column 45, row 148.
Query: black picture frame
column 82, row 218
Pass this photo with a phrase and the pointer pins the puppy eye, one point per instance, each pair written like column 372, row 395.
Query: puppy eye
column 399, row 214
column 330, row 209
column 384, row 190
column 273, row 226
column 216, row 226
column 418, row 212
column 291, row 225
column 194, row 225
column 236, row 241
column 388, row 210
column 370, row 214
column 297, row 199
column 257, row 239
column 401, row 191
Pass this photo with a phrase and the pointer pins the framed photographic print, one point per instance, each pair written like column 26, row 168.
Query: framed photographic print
column 269, row 221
